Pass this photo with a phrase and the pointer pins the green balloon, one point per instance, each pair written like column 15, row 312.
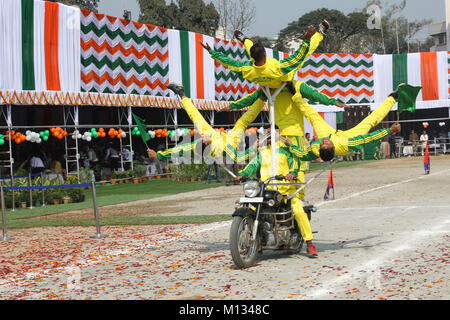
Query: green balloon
column 45, row 138
column 2, row 142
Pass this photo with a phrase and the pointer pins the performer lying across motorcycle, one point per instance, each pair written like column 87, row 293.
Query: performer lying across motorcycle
column 286, row 167
column 331, row 143
column 221, row 144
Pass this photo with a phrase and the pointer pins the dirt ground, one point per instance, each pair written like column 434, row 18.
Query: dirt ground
column 386, row 236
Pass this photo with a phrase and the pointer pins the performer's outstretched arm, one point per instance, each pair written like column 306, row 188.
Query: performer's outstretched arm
column 177, row 151
column 252, row 168
column 358, row 142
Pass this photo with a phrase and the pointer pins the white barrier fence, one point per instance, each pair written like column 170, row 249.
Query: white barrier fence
column 436, row 146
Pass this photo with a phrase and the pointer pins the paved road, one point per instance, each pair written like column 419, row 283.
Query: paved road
column 387, row 236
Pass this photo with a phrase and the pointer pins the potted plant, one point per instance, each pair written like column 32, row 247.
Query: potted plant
column 66, row 199
column 140, row 172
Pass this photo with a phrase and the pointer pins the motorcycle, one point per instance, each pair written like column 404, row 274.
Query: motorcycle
column 264, row 220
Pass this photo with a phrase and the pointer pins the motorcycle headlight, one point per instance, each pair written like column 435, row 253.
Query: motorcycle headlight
column 251, row 189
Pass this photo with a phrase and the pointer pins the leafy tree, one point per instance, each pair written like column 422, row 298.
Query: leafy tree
column 192, row 15
column 396, row 26
column 350, row 33
column 343, row 29
column 91, row 5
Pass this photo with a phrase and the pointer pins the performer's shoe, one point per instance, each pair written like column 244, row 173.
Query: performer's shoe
column 323, row 27
column 239, row 36
column 176, row 88
column 311, row 251
column 291, row 87
column 394, row 94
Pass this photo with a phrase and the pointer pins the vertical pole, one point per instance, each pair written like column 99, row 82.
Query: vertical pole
column 31, row 190
column 435, row 152
column 42, row 184
column 65, row 141
column 76, row 142
column 130, row 137
column 271, row 99
column 2, row 195
column 97, row 220
column 11, row 163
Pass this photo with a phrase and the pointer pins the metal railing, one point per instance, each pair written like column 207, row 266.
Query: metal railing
column 436, row 146
column 5, row 237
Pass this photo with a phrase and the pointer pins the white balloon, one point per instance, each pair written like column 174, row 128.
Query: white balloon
column 88, row 139
column 123, row 134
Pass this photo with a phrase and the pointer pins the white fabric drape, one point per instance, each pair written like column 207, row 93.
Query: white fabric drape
column 69, row 61
column 382, row 82
column 39, row 46
column 10, row 44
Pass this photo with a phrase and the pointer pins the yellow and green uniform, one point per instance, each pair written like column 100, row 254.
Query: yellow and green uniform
column 192, row 149
column 286, row 163
column 222, row 144
column 290, row 119
column 273, row 72
column 344, row 142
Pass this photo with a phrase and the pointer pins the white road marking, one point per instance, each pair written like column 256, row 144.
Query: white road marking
column 357, row 194
column 374, row 264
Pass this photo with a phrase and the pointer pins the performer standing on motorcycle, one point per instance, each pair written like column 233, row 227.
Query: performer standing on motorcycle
column 286, row 167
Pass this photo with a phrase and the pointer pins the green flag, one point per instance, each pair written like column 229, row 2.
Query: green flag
column 407, row 96
column 142, row 128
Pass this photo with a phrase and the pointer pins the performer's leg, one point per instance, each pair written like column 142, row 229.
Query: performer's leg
column 199, row 122
column 372, row 120
column 322, row 128
column 234, row 137
column 302, row 219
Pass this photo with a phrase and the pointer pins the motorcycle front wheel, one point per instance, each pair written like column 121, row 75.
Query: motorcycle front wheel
column 244, row 250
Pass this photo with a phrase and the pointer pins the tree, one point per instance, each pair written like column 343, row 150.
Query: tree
column 235, row 15
column 195, row 16
column 154, row 12
column 398, row 31
column 91, row 5
column 350, row 33
column 341, row 34
column 191, row 15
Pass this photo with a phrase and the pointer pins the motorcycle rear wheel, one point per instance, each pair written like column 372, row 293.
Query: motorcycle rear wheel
column 244, row 250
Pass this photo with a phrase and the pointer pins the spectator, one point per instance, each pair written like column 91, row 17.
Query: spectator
column 384, row 148
column 307, row 140
column 217, row 169
column 414, row 140
column 56, row 170
column 36, row 164
column 391, row 141
column 112, row 156
column 423, row 141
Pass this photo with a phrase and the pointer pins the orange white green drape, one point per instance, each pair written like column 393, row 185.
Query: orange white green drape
column 190, row 64
column 40, row 46
column 428, row 70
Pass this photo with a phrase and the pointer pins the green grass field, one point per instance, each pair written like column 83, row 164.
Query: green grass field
column 123, row 193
